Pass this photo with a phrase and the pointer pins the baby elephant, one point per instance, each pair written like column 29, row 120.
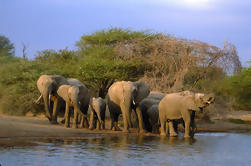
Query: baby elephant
column 77, row 97
column 97, row 117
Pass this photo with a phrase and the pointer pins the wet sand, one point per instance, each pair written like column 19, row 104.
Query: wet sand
column 22, row 127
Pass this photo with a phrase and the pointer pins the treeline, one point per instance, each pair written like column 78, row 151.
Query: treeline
column 165, row 63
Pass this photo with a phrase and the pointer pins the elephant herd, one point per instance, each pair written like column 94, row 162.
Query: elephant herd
column 153, row 110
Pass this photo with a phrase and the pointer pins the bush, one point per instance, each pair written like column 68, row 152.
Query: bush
column 238, row 87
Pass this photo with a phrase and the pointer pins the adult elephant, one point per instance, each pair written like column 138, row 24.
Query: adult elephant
column 97, row 117
column 48, row 86
column 75, row 95
column 149, row 109
column 177, row 106
column 123, row 96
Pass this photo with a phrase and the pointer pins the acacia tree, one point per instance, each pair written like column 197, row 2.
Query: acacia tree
column 171, row 60
column 6, row 47
column 99, row 67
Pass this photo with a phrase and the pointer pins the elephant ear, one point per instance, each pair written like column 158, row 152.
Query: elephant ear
column 141, row 91
column 63, row 92
column 73, row 93
column 193, row 102
column 54, row 88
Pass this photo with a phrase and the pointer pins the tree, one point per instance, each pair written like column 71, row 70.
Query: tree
column 171, row 60
column 6, row 47
column 100, row 66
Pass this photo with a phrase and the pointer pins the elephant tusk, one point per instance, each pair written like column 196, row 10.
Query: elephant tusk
column 133, row 102
column 38, row 100
column 49, row 101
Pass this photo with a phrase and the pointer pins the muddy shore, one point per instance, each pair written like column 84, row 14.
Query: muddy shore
column 22, row 127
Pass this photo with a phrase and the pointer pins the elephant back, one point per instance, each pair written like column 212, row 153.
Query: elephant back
column 119, row 90
column 147, row 103
column 74, row 82
column 156, row 95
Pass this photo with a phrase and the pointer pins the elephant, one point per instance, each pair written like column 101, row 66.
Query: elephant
column 122, row 97
column 98, row 108
column 149, row 109
column 182, row 105
column 77, row 96
column 48, row 86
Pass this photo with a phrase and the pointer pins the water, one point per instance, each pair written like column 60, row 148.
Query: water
column 210, row 149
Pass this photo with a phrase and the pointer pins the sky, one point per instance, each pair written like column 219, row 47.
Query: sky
column 59, row 24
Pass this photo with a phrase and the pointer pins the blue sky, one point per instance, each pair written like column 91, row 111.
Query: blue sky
column 57, row 24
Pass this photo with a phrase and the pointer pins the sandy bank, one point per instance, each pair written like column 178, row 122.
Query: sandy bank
column 14, row 126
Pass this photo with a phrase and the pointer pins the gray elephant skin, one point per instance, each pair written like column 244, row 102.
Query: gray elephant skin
column 177, row 106
column 150, row 112
column 48, row 86
column 76, row 96
column 97, row 117
column 123, row 96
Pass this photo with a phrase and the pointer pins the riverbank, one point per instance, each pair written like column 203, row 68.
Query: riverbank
column 16, row 126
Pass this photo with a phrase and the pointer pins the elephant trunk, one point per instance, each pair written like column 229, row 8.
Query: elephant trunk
column 99, row 116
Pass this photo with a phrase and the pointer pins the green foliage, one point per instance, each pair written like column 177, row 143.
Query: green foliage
column 112, row 55
column 209, row 83
column 109, row 37
column 6, row 47
column 238, row 87
column 18, row 86
column 99, row 73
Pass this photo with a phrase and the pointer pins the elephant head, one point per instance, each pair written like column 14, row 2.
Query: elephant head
column 123, row 96
column 198, row 101
column 140, row 91
column 48, row 85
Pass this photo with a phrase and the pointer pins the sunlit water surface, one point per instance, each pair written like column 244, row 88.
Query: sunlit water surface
column 210, row 149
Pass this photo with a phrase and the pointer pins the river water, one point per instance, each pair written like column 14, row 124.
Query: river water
column 224, row 149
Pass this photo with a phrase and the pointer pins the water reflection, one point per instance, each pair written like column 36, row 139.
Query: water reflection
column 206, row 149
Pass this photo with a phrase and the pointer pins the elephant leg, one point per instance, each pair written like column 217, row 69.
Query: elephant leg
column 172, row 132
column 125, row 120
column 140, row 120
column 112, row 121
column 116, row 125
column 193, row 126
column 162, row 127
column 55, row 110
column 102, row 125
column 175, row 125
column 67, row 116
column 75, row 119
column 91, row 127
column 86, row 124
column 81, row 121
column 187, row 121
column 98, row 125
